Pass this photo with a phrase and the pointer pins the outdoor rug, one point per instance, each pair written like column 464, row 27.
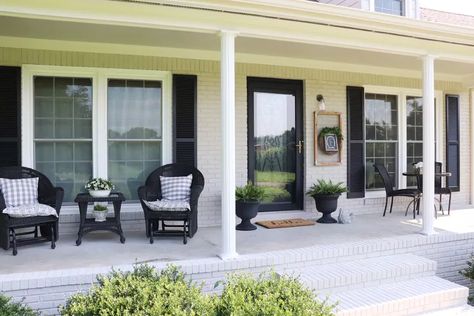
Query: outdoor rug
column 285, row 223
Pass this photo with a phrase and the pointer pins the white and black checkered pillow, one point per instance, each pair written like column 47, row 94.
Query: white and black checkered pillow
column 176, row 188
column 17, row 192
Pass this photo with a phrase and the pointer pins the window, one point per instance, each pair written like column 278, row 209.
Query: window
column 80, row 123
column 394, row 7
column 134, row 132
column 63, row 131
column 414, row 112
column 381, row 137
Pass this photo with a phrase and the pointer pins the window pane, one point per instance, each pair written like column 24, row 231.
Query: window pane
column 134, row 132
column 394, row 7
column 381, row 128
column 414, row 106
column 61, row 106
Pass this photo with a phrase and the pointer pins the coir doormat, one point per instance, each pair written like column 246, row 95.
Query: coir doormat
column 285, row 223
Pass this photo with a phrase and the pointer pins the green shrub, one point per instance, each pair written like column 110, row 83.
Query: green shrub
column 269, row 294
column 468, row 272
column 249, row 192
column 323, row 187
column 9, row 308
column 142, row 292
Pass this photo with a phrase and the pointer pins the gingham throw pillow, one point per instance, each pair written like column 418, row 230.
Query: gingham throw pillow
column 17, row 192
column 176, row 188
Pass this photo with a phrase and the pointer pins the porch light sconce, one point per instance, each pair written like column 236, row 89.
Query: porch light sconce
column 321, row 103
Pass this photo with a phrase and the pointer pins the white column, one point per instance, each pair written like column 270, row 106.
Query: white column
column 228, row 250
column 428, row 145
column 471, row 105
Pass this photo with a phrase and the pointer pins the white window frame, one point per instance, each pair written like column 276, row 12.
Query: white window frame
column 410, row 7
column 99, row 78
column 401, row 95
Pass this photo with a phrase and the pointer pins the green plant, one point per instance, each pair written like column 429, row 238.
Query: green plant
column 269, row 294
column 141, row 292
column 9, row 308
column 332, row 130
column 249, row 192
column 323, row 187
column 273, row 194
column 468, row 272
column 100, row 208
column 99, row 184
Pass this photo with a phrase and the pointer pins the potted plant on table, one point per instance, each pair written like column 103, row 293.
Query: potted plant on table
column 247, row 202
column 325, row 195
column 99, row 187
column 100, row 212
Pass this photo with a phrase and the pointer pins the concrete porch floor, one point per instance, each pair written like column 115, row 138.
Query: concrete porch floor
column 103, row 249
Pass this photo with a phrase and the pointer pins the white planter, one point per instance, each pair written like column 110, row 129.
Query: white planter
column 100, row 216
column 99, row 193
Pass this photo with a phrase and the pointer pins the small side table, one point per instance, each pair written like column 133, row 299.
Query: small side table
column 88, row 225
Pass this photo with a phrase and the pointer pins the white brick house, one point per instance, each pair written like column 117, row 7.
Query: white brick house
column 104, row 46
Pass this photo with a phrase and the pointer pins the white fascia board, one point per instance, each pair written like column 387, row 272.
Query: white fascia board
column 303, row 22
column 135, row 50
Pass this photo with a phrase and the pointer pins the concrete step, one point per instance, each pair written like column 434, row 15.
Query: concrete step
column 410, row 297
column 364, row 272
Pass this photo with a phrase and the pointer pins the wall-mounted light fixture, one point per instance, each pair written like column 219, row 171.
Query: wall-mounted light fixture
column 321, row 103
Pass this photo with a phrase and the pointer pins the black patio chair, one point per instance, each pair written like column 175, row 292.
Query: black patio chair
column 151, row 191
column 439, row 189
column 415, row 194
column 48, row 225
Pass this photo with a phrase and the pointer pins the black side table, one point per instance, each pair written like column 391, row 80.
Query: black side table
column 89, row 224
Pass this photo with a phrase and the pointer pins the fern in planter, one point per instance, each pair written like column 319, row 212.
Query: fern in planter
column 323, row 187
column 249, row 192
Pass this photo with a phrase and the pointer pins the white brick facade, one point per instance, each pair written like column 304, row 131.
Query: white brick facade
column 331, row 84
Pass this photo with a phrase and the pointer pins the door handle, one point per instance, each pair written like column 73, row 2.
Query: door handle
column 300, row 146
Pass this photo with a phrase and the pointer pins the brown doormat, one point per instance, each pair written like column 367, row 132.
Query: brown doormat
column 285, row 223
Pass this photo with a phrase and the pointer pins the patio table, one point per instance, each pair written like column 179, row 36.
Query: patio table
column 88, row 225
column 419, row 182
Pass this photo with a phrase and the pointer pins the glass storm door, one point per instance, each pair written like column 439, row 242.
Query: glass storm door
column 275, row 141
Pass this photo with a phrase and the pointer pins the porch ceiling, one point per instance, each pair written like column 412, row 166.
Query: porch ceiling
column 248, row 49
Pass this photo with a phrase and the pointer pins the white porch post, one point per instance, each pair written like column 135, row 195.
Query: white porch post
column 228, row 250
column 428, row 145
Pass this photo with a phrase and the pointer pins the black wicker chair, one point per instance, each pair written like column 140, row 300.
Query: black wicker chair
column 151, row 191
column 48, row 225
column 415, row 194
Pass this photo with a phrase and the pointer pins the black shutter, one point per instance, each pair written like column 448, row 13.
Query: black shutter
column 184, row 119
column 355, row 142
column 452, row 141
column 10, row 116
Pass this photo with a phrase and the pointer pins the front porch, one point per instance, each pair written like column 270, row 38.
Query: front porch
column 103, row 250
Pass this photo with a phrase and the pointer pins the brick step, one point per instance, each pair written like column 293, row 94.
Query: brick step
column 465, row 310
column 364, row 272
column 411, row 297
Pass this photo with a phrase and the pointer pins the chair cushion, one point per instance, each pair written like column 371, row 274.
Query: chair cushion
column 17, row 192
column 176, row 188
column 30, row 210
column 168, row 205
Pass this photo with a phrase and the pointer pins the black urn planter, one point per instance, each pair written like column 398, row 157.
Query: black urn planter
column 326, row 204
column 246, row 210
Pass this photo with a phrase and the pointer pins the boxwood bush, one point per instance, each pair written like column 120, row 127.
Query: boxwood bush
column 10, row 308
column 144, row 291
column 468, row 273
column 141, row 292
column 269, row 294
